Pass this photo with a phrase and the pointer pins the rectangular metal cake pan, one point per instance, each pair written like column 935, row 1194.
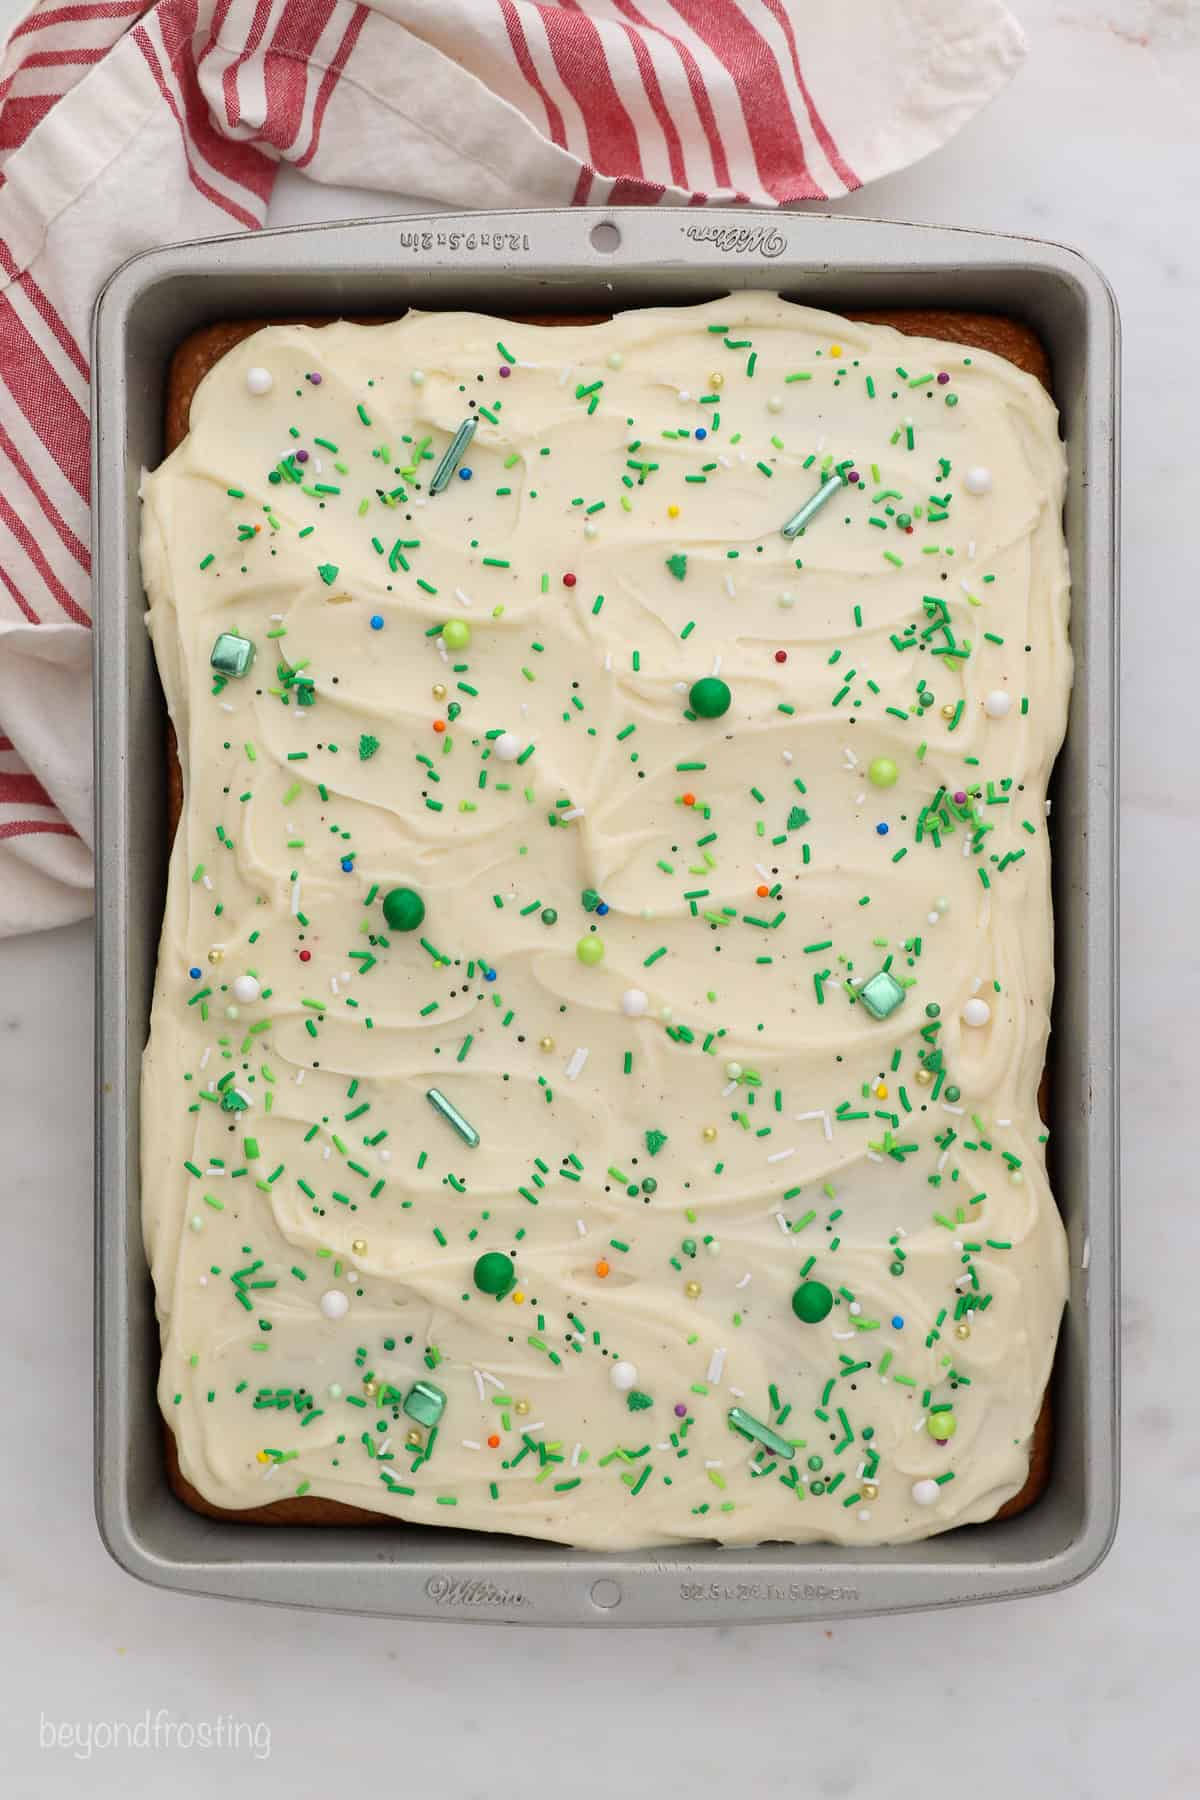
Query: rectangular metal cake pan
column 563, row 261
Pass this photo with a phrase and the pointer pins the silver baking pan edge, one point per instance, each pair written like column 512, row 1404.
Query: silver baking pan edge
column 584, row 261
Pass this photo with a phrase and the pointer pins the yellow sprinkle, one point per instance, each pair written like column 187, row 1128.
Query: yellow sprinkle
column 881, row 1091
column 672, row 512
column 835, row 349
column 262, row 1457
column 518, row 1297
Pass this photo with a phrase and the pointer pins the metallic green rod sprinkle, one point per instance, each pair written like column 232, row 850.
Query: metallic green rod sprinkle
column 454, row 455
column 750, row 1427
column 795, row 525
column 466, row 1132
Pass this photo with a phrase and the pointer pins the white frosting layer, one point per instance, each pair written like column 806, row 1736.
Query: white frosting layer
column 313, row 1248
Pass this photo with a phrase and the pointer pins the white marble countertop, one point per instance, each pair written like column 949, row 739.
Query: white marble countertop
column 1082, row 1693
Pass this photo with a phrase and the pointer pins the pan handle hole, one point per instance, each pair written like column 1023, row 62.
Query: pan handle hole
column 605, row 237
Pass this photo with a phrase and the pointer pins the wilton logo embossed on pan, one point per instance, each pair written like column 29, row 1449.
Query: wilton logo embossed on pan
column 738, row 238
column 444, row 1590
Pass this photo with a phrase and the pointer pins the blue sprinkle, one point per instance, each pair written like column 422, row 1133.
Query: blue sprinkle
column 195, row 974
column 882, row 830
column 376, row 621
column 898, row 1323
column 602, row 908
column 465, row 474
column 348, row 864
column 489, row 975
column 700, row 432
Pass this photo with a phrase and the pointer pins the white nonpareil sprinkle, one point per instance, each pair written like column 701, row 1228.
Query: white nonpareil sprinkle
column 463, row 599
column 494, row 1380
column 729, row 587
column 300, row 1074
column 207, row 881
column 581, row 1228
column 295, row 899
column 747, row 1278
column 478, row 1383
column 764, row 872
column 716, row 1367
column 575, row 1067
column 781, row 1155
column 333, row 984
column 469, row 1444
column 844, row 1337
column 712, row 1462
column 573, row 812
column 206, row 1055
column 575, row 1454
column 783, row 1225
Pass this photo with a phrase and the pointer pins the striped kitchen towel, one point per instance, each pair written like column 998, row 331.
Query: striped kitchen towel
column 126, row 124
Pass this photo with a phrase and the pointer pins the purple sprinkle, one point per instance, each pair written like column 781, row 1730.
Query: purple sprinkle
column 315, row 379
column 680, row 1410
column 853, row 477
column 943, row 378
column 960, row 798
column 302, row 456
column 505, row 371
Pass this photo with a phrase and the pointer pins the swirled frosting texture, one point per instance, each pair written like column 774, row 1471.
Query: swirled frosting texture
column 663, row 1181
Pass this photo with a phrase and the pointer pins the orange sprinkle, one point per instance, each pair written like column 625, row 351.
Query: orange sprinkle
column 493, row 1442
column 689, row 799
column 762, row 890
column 602, row 1268
column 439, row 724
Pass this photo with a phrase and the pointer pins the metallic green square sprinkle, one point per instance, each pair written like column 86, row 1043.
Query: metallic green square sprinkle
column 232, row 655
column 424, row 1403
column 881, row 995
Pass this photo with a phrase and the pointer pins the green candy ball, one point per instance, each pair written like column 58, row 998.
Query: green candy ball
column 456, row 634
column 549, row 916
column 812, row 1302
column 883, row 772
column 590, row 951
column 403, row 908
column 494, row 1273
column 941, row 1425
column 709, row 698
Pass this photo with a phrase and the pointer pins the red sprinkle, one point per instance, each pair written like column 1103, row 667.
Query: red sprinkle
column 781, row 656
column 568, row 581
column 306, row 956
